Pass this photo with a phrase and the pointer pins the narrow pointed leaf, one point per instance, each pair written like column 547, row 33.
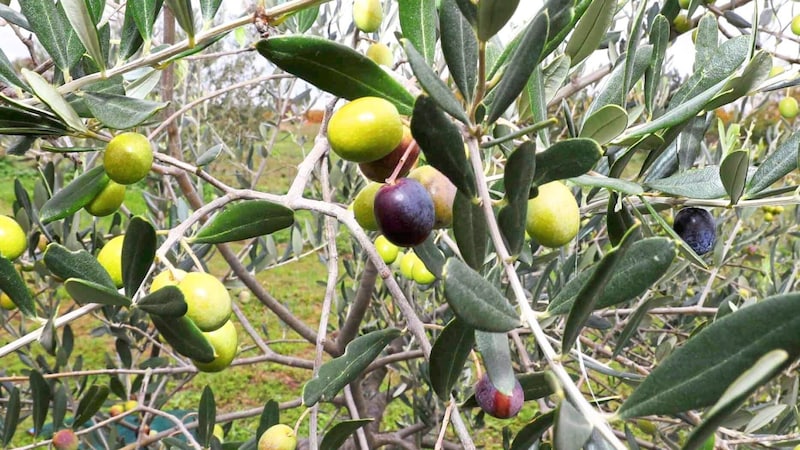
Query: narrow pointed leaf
column 78, row 16
column 727, row 58
column 733, row 173
column 11, row 420
column 334, row 68
column 675, row 116
column 590, row 30
column 84, row 292
column 618, row 219
column 532, row 432
column 209, row 9
column 735, row 395
column 566, row 159
column 442, row 144
column 571, row 429
column 659, row 39
column 74, row 196
column 459, row 47
column 182, row 9
column 614, row 184
column 469, row 230
column 246, row 220
column 605, row 124
column 52, row 31
column 448, row 356
column 14, row 17
column 511, row 220
column 270, row 416
column 166, row 302
column 475, row 300
column 40, row 392
column 184, row 337
column 48, row 94
column 434, row 86
column 632, row 48
column 520, row 67
column 78, row 264
column 697, row 373
column 755, row 73
column 592, row 292
column 15, row 287
column 554, row 75
column 430, row 254
column 776, row 165
column 639, row 268
column 59, row 406
column 707, row 41
column 418, row 23
column 563, row 15
column 493, row 15
column 7, row 72
column 694, row 183
column 339, row 433
column 520, row 168
column 535, row 94
column 610, row 92
column 130, row 37
column 206, row 417
column 305, row 18
column 469, row 10
column 144, row 15
column 496, row 357
column 138, row 252
column 517, row 180
column 338, row 372
column 120, row 112
column 90, row 403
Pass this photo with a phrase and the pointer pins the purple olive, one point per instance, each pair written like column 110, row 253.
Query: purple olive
column 697, row 228
column 497, row 404
column 404, row 212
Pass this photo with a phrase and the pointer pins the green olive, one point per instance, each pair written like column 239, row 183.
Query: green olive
column 364, row 130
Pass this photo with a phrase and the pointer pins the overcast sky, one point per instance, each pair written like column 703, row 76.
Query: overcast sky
column 680, row 55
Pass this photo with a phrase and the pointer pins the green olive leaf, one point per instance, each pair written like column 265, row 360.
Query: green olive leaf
column 64, row 264
column 698, row 373
column 138, row 253
column 184, row 337
column 12, row 284
column 338, row 372
column 339, row 433
column 245, row 220
column 566, row 159
column 74, row 196
column 639, row 268
column 334, row 68
column 475, row 300
column 85, row 292
column 448, row 356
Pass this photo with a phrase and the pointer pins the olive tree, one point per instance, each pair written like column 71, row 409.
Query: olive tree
column 633, row 334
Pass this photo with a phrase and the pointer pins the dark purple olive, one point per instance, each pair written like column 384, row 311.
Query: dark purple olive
column 497, row 404
column 697, row 228
column 404, row 212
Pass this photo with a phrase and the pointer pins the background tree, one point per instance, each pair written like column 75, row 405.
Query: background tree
column 549, row 280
